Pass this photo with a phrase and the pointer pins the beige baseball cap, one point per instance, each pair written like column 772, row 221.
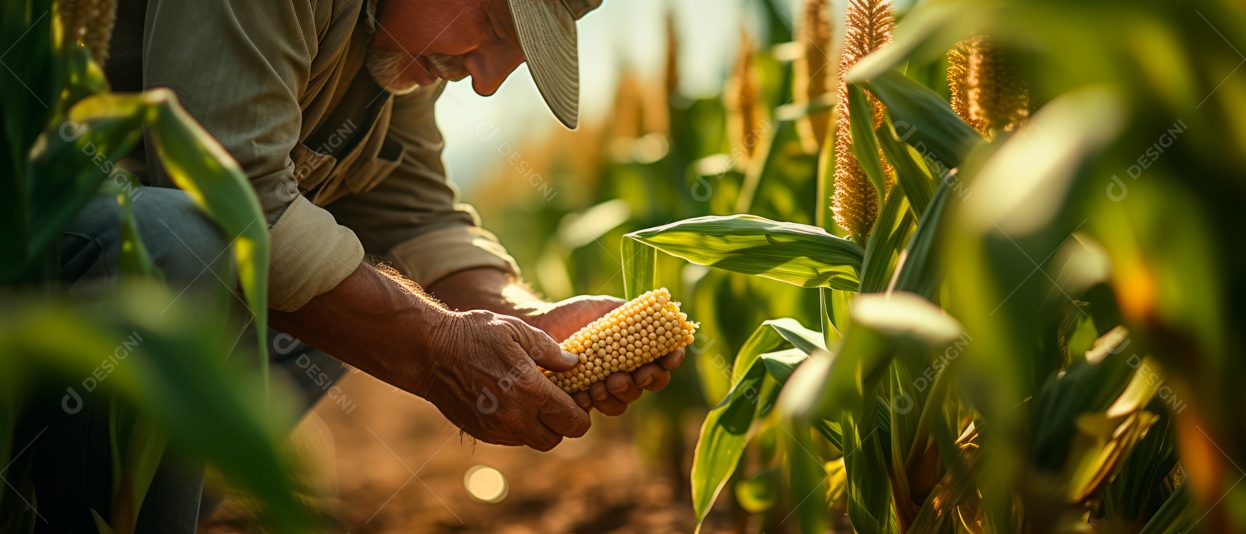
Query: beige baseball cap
column 548, row 38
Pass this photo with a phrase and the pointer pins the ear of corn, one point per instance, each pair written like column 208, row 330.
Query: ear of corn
column 636, row 333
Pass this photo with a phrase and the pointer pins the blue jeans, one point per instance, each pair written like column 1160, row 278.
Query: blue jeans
column 72, row 458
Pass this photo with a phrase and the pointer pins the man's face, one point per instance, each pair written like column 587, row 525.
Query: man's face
column 419, row 41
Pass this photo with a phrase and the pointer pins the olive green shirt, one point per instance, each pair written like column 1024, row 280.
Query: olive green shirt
column 341, row 167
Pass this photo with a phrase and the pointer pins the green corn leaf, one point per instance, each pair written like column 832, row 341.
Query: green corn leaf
column 920, row 271
column 797, row 414
column 882, row 252
column 759, row 492
column 826, row 316
column 781, row 364
column 67, row 169
column 881, row 325
column 1085, row 387
column 798, row 254
column 1177, row 515
column 924, row 120
column 809, row 480
column 639, row 266
column 911, row 173
column 135, row 260
column 864, row 146
column 725, row 431
column 723, row 437
column 137, row 449
column 202, row 168
column 869, row 492
column 174, row 377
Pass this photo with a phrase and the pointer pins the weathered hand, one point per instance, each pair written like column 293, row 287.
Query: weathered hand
column 611, row 397
column 482, row 375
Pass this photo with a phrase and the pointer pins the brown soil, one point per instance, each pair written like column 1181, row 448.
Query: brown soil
column 399, row 466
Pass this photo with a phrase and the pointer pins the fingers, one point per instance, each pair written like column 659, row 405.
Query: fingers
column 604, row 401
column 539, row 346
column 652, row 377
column 561, row 414
column 672, row 360
column 542, row 438
column 612, row 396
column 583, row 400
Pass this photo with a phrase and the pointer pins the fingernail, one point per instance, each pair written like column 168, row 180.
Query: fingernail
column 646, row 381
column 570, row 358
column 600, row 396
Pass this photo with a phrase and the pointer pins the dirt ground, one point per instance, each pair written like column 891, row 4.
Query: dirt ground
column 400, row 467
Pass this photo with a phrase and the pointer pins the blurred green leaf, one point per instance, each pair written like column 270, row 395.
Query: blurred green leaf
column 65, row 171
column 202, row 168
column 1177, row 515
column 173, row 376
column 760, row 492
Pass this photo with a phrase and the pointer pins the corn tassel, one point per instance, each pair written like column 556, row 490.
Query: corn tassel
column 634, row 334
column 868, row 25
column 742, row 98
column 814, row 70
column 90, row 23
column 988, row 85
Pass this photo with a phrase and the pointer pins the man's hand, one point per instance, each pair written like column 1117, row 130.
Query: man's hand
column 478, row 368
column 486, row 382
column 611, row 396
column 491, row 289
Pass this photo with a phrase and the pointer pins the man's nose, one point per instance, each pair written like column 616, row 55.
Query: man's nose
column 489, row 73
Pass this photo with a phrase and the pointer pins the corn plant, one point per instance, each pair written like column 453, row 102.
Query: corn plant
column 63, row 134
column 1012, row 336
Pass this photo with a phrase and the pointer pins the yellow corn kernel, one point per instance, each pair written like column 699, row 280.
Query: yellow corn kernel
column 638, row 332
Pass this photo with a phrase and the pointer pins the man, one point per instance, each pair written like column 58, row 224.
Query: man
column 327, row 105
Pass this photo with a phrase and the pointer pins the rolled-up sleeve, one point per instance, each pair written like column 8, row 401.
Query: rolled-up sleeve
column 238, row 67
column 413, row 218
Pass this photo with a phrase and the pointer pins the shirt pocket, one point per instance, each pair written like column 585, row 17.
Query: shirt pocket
column 370, row 172
column 311, row 167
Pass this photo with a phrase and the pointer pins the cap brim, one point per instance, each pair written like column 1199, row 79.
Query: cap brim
column 548, row 38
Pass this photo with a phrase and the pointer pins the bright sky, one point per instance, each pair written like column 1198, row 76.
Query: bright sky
column 620, row 32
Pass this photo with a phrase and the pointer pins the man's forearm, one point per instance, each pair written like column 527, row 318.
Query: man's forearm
column 363, row 319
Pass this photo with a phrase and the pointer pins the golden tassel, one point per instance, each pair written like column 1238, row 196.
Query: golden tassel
column 742, row 99
column 868, row 25
column 988, row 85
column 814, row 70
column 89, row 23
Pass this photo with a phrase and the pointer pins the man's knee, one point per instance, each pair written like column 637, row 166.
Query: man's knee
column 189, row 249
